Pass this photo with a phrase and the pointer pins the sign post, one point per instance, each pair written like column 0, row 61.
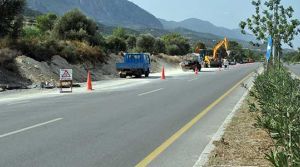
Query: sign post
column 66, row 80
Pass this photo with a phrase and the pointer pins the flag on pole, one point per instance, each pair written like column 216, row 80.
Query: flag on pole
column 269, row 48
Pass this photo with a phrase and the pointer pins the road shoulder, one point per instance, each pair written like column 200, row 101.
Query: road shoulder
column 187, row 149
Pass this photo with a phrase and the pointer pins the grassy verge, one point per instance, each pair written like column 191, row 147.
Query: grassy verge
column 243, row 143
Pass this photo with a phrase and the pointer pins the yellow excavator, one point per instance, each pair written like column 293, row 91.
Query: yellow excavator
column 215, row 60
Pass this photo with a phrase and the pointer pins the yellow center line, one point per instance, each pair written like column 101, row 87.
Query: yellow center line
column 147, row 160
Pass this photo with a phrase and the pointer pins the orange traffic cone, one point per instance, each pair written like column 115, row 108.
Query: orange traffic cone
column 196, row 71
column 89, row 81
column 163, row 76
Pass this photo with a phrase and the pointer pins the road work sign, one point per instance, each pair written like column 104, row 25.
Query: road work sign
column 66, row 75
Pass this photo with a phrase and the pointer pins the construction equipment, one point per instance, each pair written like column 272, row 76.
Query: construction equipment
column 192, row 62
column 215, row 60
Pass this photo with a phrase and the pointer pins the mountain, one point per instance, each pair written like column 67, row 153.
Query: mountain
column 201, row 26
column 110, row 12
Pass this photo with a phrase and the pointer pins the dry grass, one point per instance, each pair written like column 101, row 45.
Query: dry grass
column 243, row 144
column 170, row 59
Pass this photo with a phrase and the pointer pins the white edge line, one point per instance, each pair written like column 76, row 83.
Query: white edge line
column 204, row 157
column 30, row 127
column 142, row 94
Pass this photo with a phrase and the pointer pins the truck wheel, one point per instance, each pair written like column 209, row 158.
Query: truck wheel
column 147, row 74
column 199, row 67
column 122, row 75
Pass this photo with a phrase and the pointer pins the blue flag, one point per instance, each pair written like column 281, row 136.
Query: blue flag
column 269, row 48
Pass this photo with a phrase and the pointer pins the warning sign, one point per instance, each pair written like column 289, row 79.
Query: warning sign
column 66, row 75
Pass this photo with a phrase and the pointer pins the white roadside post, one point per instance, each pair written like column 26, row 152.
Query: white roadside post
column 66, row 80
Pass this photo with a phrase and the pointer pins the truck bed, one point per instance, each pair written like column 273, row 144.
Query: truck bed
column 129, row 66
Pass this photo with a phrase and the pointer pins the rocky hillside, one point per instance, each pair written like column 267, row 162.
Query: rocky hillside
column 109, row 12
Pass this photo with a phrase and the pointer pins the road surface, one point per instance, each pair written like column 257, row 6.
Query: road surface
column 295, row 69
column 114, row 128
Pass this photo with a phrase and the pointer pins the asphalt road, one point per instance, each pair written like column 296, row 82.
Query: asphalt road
column 110, row 129
column 295, row 69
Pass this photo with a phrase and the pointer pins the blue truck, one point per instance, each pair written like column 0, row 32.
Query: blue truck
column 135, row 64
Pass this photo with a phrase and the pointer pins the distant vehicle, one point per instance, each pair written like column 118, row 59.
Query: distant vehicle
column 225, row 63
column 135, row 64
column 194, row 62
column 232, row 62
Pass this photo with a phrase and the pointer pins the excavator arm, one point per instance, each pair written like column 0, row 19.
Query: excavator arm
column 218, row 46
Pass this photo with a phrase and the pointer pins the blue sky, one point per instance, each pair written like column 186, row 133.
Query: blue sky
column 225, row 13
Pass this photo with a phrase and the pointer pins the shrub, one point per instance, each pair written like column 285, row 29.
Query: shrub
column 159, row 46
column 145, row 43
column 172, row 50
column 86, row 52
column 182, row 44
column 278, row 97
column 30, row 32
column 131, row 42
column 116, row 44
column 46, row 22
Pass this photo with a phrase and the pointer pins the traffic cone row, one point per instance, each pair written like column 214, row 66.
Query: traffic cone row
column 89, row 82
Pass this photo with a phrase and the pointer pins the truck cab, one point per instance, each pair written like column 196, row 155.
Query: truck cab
column 134, row 64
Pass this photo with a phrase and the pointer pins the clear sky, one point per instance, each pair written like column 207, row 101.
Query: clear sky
column 225, row 13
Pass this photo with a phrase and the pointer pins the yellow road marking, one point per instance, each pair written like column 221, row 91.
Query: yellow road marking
column 147, row 160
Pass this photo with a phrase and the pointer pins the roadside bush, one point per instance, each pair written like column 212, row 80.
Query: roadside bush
column 145, row 43
column 116, row 44
column 172, row 50
column 131, row 42
column 86, row 52
column 278, row 97
column 30, row 32
column 159, row 46
column 176, row 44
column 72, row 51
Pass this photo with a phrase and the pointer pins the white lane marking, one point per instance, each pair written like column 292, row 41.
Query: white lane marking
column 30, row 127
column 192, row 80
column 19, row 102
column 142, row 94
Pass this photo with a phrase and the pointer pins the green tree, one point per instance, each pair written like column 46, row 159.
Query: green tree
column 145, row 43
column 10, row 19
column 235, row 51
column 46, row 22
column 31, row 32
column 175, row 39
column 120, row 33
column 75, row 25
column 199, row 45
column 116, row 44
column 272, row 19
column 159, row 46
column 131, row 42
